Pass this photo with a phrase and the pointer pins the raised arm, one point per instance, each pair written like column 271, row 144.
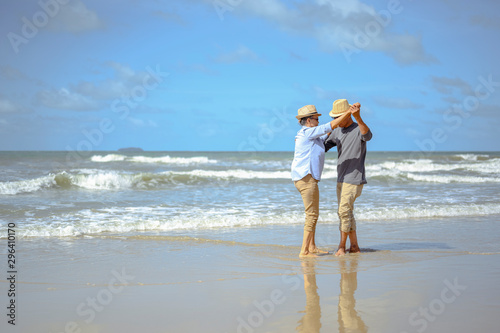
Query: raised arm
column 363, row 128
column 335, row 122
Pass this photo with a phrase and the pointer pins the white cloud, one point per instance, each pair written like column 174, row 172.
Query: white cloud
column 296, row 56
column 10, row 73
column 142, row 123
column 241, row 54
column 104, row 90
column 153, row 109
column 451, row 100
column 64, row 99
column 489, row 111
column 124, row 80
column 7, row 106
column 75, row 17
column 336, row 24
column 169, row 17
column 446, row 85
column 184, row 67
column 325, row 94
column 487, row 22
column 404, row 49
column 411, row 132
column 88, row 96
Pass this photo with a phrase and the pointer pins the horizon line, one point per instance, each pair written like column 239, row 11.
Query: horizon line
column 243, row 151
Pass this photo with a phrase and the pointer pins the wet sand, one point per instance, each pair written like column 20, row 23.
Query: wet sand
column 407, row 280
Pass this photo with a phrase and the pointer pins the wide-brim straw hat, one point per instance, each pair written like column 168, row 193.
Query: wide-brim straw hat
column 307, row 111
column 339, row 107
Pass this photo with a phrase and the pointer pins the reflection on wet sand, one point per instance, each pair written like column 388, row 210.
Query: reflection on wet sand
column 310, row 322
column 348, row 318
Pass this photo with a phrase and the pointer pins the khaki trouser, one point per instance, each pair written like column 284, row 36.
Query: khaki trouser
column 308, row 188
column 346, row 195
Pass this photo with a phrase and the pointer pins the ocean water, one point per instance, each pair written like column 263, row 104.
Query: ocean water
column 54, row 194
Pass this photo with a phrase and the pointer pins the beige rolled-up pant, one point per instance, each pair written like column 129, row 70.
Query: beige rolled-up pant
column 308, row 188
column 346, row 195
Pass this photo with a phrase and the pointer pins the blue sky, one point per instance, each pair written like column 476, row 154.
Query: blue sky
column 230, row 74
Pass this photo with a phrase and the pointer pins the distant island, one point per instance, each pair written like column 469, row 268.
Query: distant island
column 130, row 150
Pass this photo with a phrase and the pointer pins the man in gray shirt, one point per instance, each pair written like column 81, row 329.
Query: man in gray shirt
column 350, row 139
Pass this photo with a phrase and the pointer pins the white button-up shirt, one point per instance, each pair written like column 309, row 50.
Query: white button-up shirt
column 309, row 157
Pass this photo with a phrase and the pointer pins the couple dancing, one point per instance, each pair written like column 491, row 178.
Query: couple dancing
column 311, row 143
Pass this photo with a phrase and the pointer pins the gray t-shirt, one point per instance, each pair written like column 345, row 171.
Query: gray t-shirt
column 351, row 147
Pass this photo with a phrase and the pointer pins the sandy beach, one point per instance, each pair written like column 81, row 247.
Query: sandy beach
column 228, row 281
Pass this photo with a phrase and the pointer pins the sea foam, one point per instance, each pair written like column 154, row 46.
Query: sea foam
column 119, row 220
column 145, row 159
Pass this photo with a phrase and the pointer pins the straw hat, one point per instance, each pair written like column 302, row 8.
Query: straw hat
column 339, row 107
column 307, row 111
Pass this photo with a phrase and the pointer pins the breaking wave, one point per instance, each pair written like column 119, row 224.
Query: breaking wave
column 112, row 180
column 119, row 220
column 145, row 159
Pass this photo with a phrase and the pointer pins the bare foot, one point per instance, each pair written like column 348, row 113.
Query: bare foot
column 307, row 255
column 340, row 252
column 354, row 249
column 316, row 250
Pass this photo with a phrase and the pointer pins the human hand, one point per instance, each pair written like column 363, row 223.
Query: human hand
column 355, row 109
